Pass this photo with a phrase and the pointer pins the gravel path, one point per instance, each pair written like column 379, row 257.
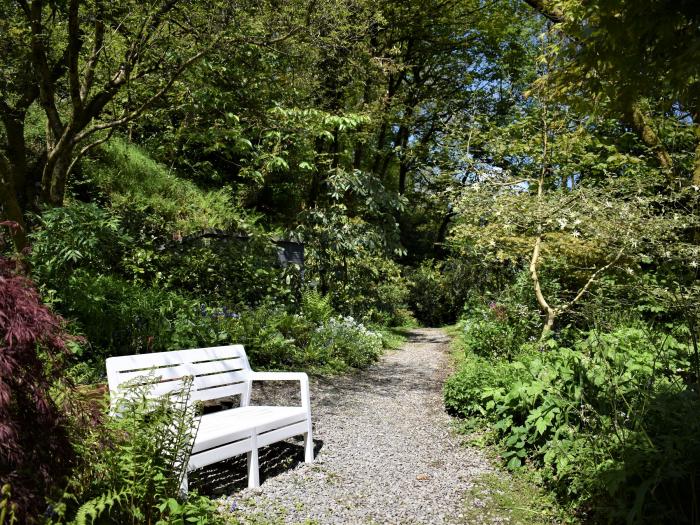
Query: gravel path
column 385, row 451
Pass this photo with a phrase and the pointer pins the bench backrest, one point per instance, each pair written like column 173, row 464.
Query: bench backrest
column 217, row 372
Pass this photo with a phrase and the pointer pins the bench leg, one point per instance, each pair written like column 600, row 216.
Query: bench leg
column 308, row 446
column 253, row 469
column 184, row 486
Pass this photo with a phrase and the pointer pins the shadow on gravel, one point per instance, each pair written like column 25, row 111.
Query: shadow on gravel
column 387, row 382
column 227, row 477
column 428, row 338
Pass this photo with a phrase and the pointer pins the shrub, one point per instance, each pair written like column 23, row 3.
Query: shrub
column 35, row 451
column 120, row 317
column 428, row 297
column 229, row 271
column 607, row 421
column 489, row 336
column 131, row 467
column 345, row 340
column 463, row 390
column 438, row 291
column 314, row 338
column 371, row 288
column 76, row 236
column 268, row 333
column 315, row 307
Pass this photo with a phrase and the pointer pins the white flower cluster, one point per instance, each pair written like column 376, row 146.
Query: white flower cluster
column 349, row 323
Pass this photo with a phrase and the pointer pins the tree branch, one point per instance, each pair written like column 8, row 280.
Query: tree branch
column 96, row 51
column 591, row 280
column 134, row 114
column 40, row 62
column 74, row 46
column 87, row 148
column 508, row 183
column 553, row 14
column 637, row 120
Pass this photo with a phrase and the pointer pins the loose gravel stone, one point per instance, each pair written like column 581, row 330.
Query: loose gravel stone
column 385, row 451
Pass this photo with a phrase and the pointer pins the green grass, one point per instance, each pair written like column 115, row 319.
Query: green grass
column 457, row 354
column 503, row 497
column 133, row 181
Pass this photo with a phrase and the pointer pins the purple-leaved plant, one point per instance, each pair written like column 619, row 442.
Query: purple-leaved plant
column 35, row 450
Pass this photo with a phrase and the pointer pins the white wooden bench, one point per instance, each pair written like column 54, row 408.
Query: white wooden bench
column 220, row 372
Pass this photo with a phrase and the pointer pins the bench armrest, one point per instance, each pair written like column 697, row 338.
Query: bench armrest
column 286, row 376
column 279, row 376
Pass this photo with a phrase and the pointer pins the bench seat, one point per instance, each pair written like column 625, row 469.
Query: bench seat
column 226, row 426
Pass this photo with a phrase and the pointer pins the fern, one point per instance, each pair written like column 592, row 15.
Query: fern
column 137, row 462
column 94, row 508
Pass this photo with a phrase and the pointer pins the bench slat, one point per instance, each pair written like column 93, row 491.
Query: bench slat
column 224, row 378
column 273, row 436
column 137, row 362
column 218, row 425
column 212, row 367
column 206, row 374
column 151, row 375
column 128, row 363
column 198, row 355
column 202, row 459
column 219, row 392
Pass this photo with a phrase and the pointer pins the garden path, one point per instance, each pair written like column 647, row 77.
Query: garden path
column 385, row 449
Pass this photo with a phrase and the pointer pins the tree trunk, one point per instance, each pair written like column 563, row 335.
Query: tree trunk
column 403, row 171
column 640, row 124
column 549, row 323
column 11, row 207
column 441, row 234
column 402, row 142
column 696, row 163
column 57, row 188
column 550, row 312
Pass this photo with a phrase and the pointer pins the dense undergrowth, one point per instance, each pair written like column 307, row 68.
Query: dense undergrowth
column 606, row 416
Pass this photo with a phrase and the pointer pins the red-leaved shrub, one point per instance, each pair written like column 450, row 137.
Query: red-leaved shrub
column 35, row 451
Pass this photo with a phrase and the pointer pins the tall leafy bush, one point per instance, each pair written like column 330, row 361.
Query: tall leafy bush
column 35, row 450
column 608, row 421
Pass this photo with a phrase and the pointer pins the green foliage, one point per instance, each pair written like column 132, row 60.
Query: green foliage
column 153, row 199
column 270, row 335
column 79, row 256
column 227, row 270
column 347, row 257
column 120, row 317
column 463, row 391
column 490, row 337
column 449, row 137
column 79, row 235
column 343, row 341
column 374, row 290
column 315, row 307
column 133, row 464
column 7, row 508
column 315, row 339
column 604, row 421
column 438, row 290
